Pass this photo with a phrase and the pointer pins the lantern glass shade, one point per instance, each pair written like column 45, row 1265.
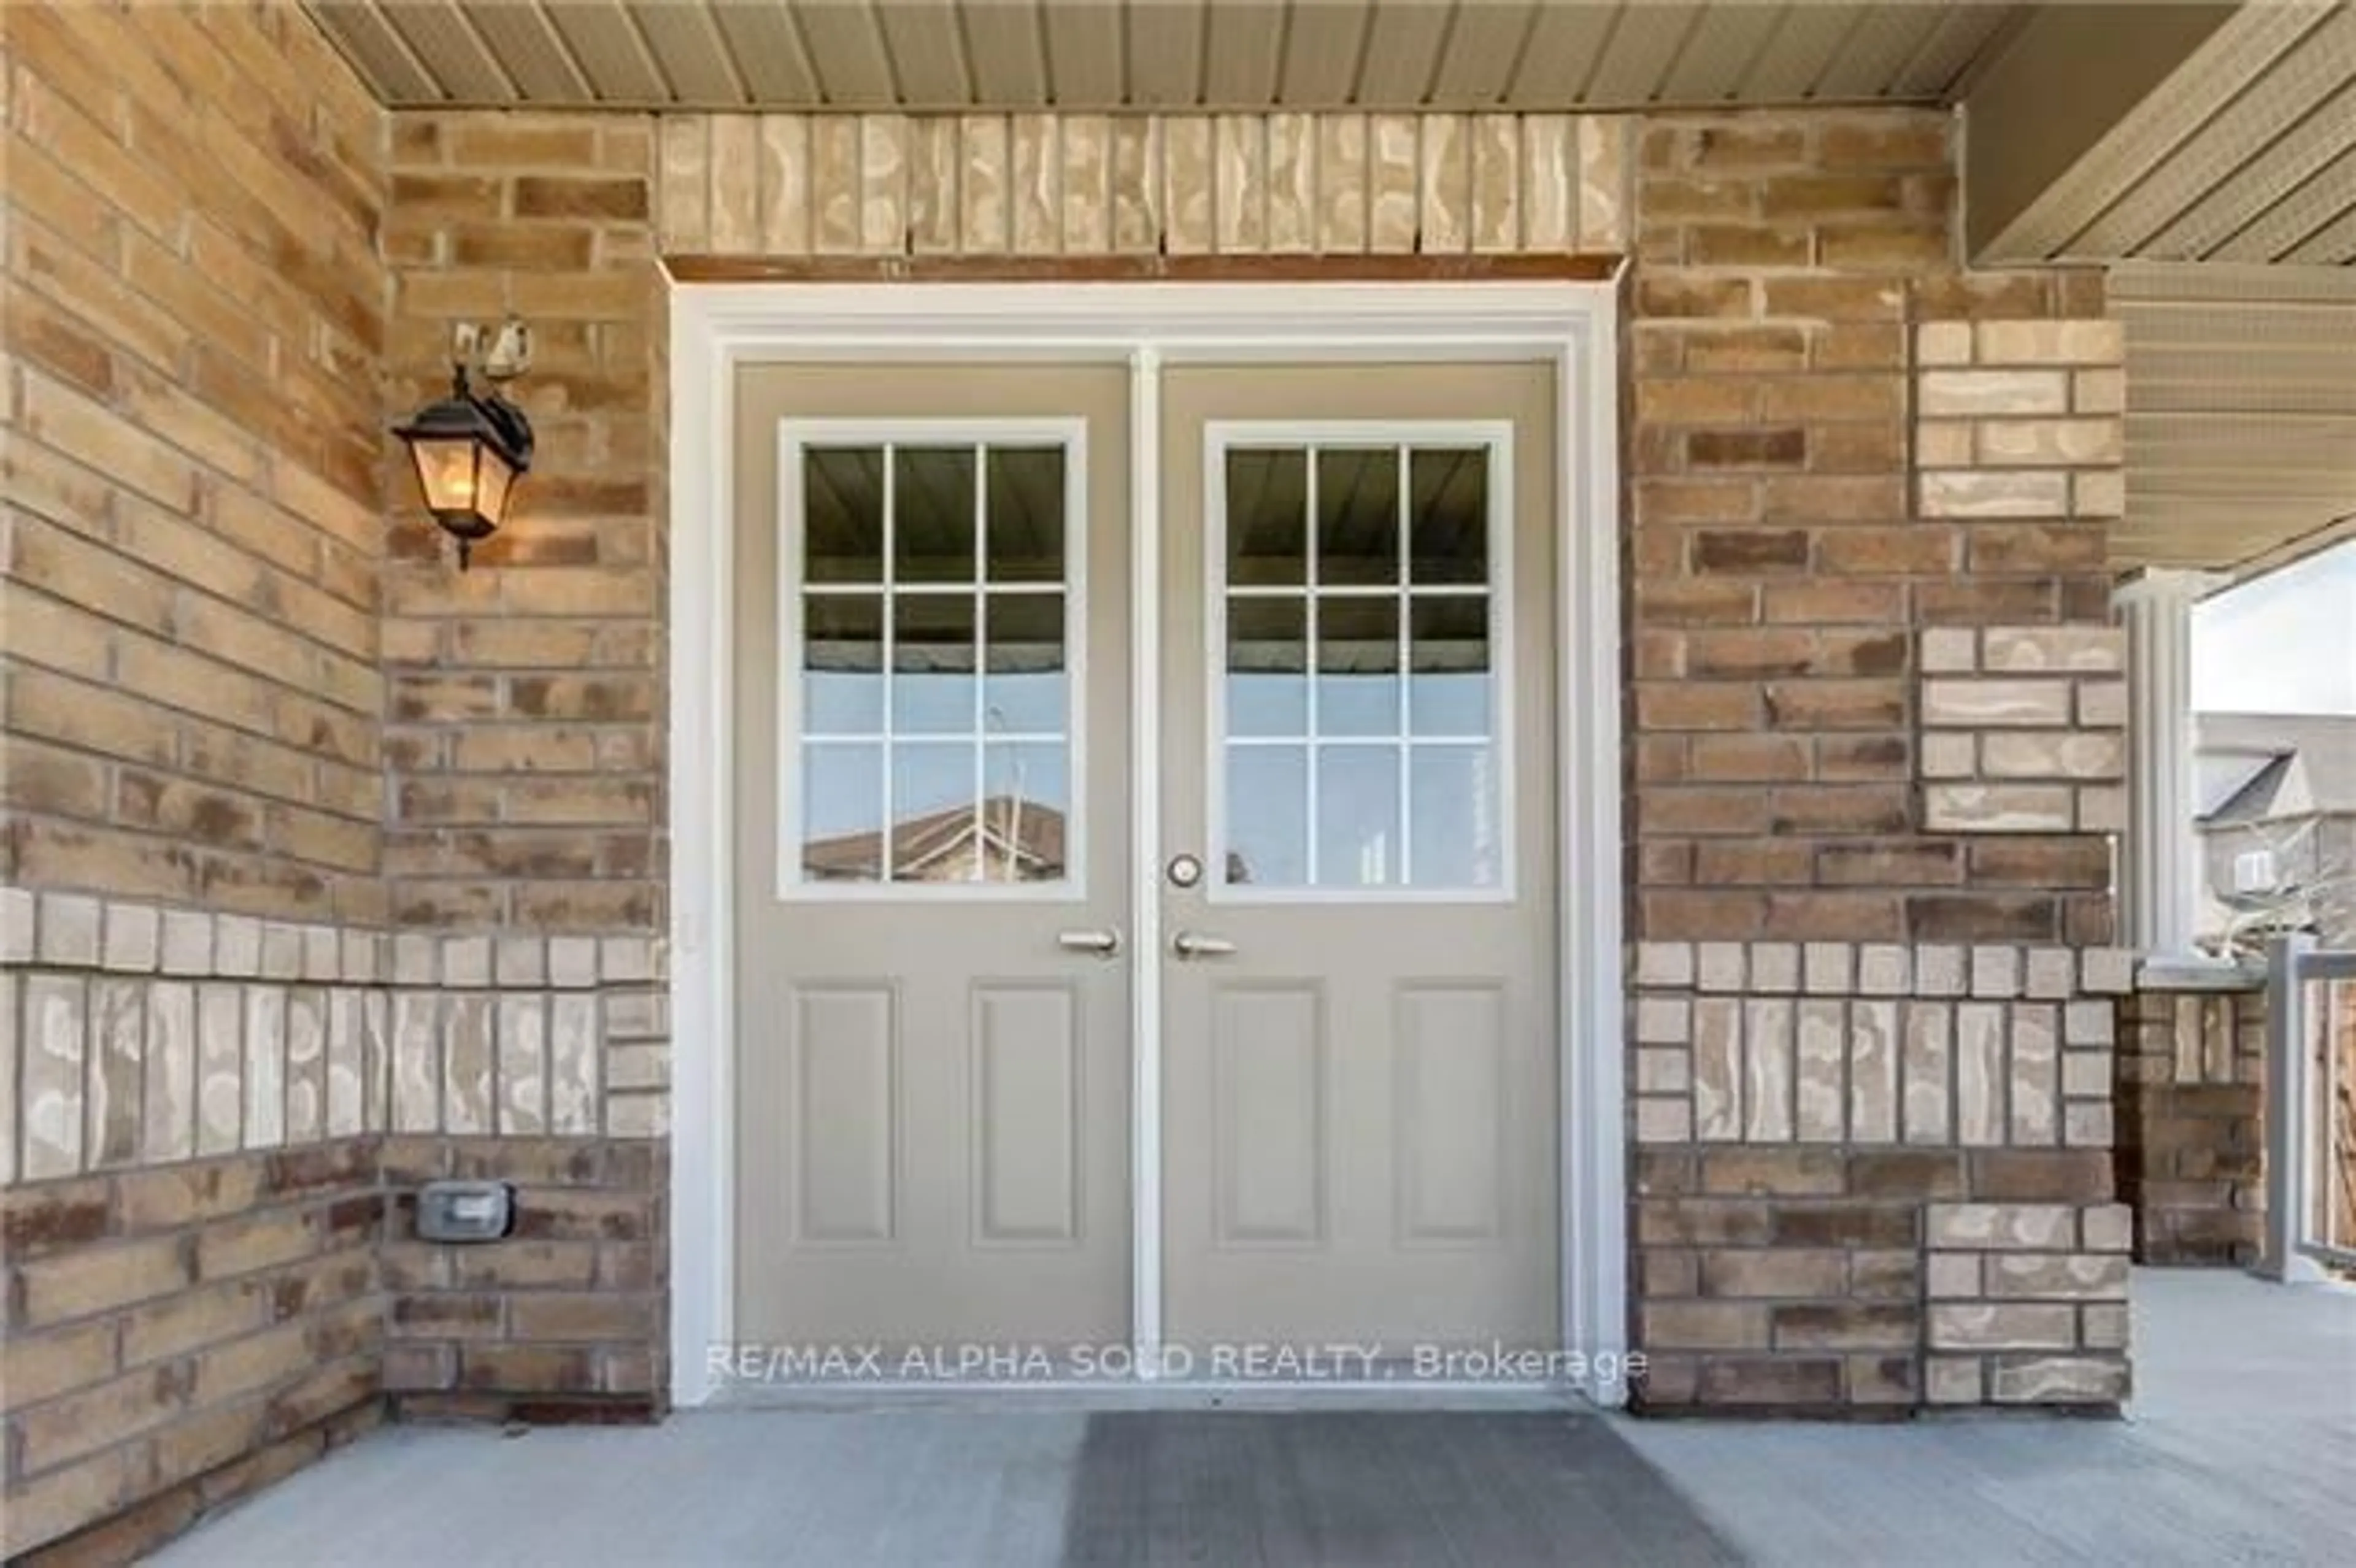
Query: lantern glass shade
column 467, row 481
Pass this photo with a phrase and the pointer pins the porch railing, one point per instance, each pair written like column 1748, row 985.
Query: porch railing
column 2310, row 1111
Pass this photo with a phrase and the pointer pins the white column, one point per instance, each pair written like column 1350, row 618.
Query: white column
column 2160, row 881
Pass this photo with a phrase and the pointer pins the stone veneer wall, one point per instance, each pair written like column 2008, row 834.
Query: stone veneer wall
column 2191, row 1089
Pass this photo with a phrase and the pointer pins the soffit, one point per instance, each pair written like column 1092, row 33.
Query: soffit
column 1158, row 54
column 2246, row 154
column 2241, row 423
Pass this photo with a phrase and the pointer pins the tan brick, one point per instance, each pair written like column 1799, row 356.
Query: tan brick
column 1998, row 808
column 1989, row 1326
column 2098, row 494
column 242, row 1246
column 1966, row 493
column 48, row 1506
column 258, row 1361
column 1774, row 1272
column 2079, row 442
column 567, row 1316
column 102, row 1278
column 1991, row 702
column 1704, row 1325
column 1944, row 343
column 65, row 1429
column 191, row 1321
column 1976, row 393
column 2050, row 342
column 36, row 1366
column 1954, row 1380
column 2074, row 1276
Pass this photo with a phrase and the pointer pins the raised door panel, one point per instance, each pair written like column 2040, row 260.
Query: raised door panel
column 1449, row 1115
column 1026, row 1115
column 845, row 1115
column 1270, row 1115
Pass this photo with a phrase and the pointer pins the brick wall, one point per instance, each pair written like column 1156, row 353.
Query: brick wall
column 1820, row 529
column 1875, row 757
column 566, row 1321
column 897, row 187
column 2191, row 1089
column 195, row 315
column 1877, row 1175
column 177, row 1336
column 277, row 1056
column 525, row 697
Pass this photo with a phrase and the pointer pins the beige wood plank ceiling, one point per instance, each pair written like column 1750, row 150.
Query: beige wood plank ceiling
column 1164, row 54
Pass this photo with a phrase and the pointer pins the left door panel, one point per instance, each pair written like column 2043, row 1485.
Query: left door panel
column 932, row 1102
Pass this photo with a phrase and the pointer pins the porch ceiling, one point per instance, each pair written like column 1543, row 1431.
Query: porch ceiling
column 2169, row 132
column 1117, row 54
column 2241, row 423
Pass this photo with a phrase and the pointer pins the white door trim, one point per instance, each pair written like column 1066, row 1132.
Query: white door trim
column 715, row 327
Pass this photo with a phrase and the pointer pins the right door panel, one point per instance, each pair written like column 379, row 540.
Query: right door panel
column 1359, row 1043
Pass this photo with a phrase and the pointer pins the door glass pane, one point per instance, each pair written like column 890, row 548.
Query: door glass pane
column 1358, row 841
column 933, row 514
column 933, row 663
column 842, row 514
column 842, row 664
column 1268, row 656
column 842, row 813
column 1268, row 534
column 1381, row 566
column 934, row 837
column 1025, row 797
column 1448, row 499
column 1456, row 838
column 1357, row 516
column 1358, row 665
column 1022, row 689
column 1448, row 654
column 1024, row 527
column 1268, row 816
column 951, row 662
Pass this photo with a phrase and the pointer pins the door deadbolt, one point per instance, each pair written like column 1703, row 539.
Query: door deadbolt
column 1185, row 871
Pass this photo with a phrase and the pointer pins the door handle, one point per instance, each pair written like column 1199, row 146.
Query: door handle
column 1194, row 945
column 1104, row 944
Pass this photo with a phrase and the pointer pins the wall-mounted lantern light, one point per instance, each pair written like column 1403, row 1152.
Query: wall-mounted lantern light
column 470, row 450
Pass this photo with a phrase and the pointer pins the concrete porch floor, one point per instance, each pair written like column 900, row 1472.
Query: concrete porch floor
column 2240, row 1448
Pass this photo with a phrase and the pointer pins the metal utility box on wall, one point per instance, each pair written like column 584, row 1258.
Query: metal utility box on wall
column 465, row 1211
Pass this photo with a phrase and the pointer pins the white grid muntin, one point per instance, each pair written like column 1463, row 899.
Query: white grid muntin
column 1495, row 440
column 797, row 437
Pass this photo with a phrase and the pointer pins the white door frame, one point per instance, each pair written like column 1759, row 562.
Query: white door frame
column 715, row 327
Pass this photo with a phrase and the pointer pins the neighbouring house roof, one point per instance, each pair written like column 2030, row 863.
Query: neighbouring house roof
column 1006, row 833
column 2254, row 800
column 2256, row 767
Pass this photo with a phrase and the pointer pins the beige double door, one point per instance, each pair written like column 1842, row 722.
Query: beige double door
column 1351, row 1063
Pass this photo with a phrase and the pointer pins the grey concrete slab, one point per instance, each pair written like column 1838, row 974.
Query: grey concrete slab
column 2240, row 1448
